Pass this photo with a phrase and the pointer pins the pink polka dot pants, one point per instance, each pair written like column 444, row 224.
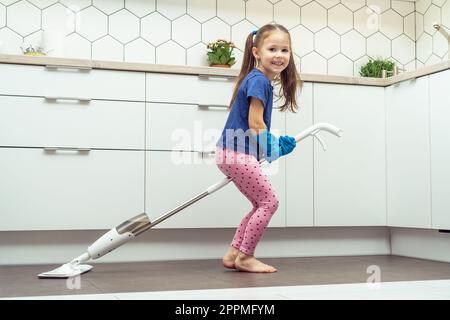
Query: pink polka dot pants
column 255, row 185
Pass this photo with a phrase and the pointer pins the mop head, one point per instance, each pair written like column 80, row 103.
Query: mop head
column 67, row 270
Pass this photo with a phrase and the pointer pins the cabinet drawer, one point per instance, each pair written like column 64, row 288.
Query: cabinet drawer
column 86, row 84
column 175, row 177
column 184, row 126
column 69, row 190
column 189, row 127
column 191, row 89
column 37, row 122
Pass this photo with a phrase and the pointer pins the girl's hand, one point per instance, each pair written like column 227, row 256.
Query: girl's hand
column 287, row 144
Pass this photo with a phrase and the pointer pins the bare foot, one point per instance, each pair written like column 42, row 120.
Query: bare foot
column 251, row 264
column 230, row 257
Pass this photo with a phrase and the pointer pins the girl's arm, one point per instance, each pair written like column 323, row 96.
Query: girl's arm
column 255, row 116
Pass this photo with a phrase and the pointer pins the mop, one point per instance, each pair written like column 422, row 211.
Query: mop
column 133, row 227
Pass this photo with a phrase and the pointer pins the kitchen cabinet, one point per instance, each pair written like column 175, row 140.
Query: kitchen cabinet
column 69, row 189
column 81, row 150
column 71, row 147
column 299, row 164
column 408, row 154
column 349, row 178
column 440, row 149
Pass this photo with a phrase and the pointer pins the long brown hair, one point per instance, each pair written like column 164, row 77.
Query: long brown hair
column 289, row 78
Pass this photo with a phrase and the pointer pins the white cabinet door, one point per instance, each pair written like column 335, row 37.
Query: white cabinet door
column 190, row 89
column 299, row 165
column 440, row 149
column 349, row 178
column 69, row 190
column 37, row 122
column 29, row 80
column 408, row 154
column 173, row 178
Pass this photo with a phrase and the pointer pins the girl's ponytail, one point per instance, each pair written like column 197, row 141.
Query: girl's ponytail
column 248, row 63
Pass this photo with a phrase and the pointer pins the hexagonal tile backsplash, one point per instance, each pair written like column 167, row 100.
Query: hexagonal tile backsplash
column 329, row 36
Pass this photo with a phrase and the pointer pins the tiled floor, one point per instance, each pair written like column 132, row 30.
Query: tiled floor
column 296, row 278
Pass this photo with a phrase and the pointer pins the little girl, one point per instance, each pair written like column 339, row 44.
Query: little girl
column 246, row 136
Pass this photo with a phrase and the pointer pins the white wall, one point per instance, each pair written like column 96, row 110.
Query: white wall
column 329, row 36
column 40, row 247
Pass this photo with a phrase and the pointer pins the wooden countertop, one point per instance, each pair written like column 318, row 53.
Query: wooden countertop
column 210, row 71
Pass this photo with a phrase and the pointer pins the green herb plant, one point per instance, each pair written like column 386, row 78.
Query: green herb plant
column 374, row 68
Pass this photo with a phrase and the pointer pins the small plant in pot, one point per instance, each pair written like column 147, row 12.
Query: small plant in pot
column 221, row 54
column 31, row 50
column 374, row 68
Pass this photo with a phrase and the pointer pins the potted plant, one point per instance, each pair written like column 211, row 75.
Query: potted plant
column 221, row 53
column 374, row 68
column 33, row 51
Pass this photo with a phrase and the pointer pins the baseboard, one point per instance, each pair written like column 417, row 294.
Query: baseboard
column 421, row 243
column 48, row 247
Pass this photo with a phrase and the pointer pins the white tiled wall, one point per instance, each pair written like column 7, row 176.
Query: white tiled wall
column 329, row 36
column 431, row 45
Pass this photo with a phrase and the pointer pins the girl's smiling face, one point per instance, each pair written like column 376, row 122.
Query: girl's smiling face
column 274, row 54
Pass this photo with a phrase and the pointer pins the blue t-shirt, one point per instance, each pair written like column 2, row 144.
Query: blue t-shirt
column 236, row 134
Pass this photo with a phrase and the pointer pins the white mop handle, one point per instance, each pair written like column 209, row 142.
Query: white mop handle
column 316, row 128
column 219, row 185
column 302, row 135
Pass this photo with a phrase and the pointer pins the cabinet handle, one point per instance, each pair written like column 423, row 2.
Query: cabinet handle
column 56, row 67
column 204, row 154
column 54, row 149
column 68, row 98
column 207, row 106
column 216, row 77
